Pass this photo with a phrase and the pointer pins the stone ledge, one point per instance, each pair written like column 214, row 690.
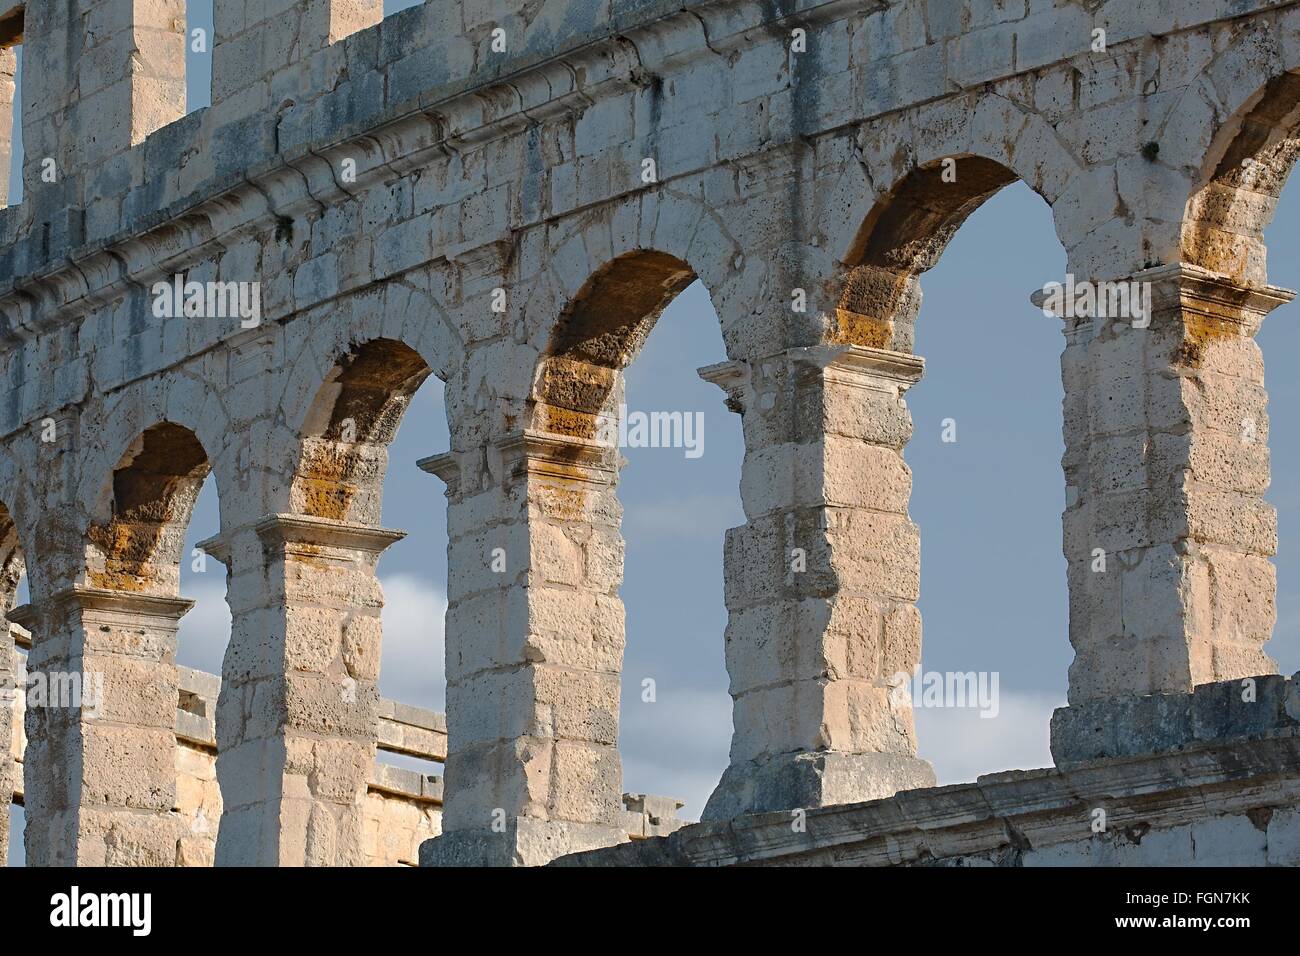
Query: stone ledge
column 1163, row 723
column 1001, row 819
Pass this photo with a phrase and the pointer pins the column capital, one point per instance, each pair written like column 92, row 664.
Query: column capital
column 106, row 602
column 855, row 366
column 530, row 453
column 1210, row 294
column 860, row 366
column 294, row 529
column 309, row 531
column 444, row 466
column 1190, row 288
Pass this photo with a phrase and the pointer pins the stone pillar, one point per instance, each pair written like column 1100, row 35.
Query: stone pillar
column 1166, row 530
column 297, row 716
column 258, row 49
column 534, row 652
column 8, row 68
column 98, row 77
column 821, row 582
column 100, row 778
column 8, row 707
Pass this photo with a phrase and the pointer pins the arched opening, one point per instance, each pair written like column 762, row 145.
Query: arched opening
column 599, row 335
column 143, row 541
column 352, row 436
column 1247, row 165
column 1239, row 208
column 985, row 472
column 137, row 535
column 1242, row 208
column 1278, row 338
column 348, row 429
column 904, row 235
column 621, row 368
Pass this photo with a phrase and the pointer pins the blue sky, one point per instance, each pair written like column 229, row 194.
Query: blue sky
column 993, row 587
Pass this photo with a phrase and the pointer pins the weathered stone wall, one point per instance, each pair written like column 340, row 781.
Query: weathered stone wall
column 505, row 195
column 1201, row 779
column 402, row 807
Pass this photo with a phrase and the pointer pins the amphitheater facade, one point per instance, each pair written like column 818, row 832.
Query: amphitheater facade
column 505, row 195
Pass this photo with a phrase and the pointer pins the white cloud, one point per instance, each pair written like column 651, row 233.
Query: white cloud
column 677, row 746
column 205, row 630
column 962, row 745
column 413, row 667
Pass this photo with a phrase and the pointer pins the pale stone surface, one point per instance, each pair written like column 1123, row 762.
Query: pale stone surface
column 414, row 199
column 1186, row 809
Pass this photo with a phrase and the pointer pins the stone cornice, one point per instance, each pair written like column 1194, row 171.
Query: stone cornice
column 862, row 367
column 1210, row 294
column 1043, row 807
column 291, row 529
column 547, row 455
column 445, row 467
column 855, row 366
column 132, row 604
column 1196, row 290
column 442, row 120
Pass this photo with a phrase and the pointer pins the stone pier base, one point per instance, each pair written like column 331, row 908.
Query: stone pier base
column 522, row 842
column 814, row 780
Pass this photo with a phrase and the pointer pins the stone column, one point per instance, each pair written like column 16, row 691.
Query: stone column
column 100, row 777
column 821, row 582
column 8, row 68
column 534, row 652
column 9, row 691
column 1167, row 533
column 297, row 716
column 98, row 77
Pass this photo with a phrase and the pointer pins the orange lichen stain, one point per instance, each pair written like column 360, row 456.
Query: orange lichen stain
column 127, row 548
column 577, row 385
column 1199, row 333
column 308, row 556
column 322, row 487
column 1213, row 248
column 323, row 498
column 566, row 421
column 854, row 328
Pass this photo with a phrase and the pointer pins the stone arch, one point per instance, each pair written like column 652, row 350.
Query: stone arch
column 1237, row 187
column 139, row 517
column 903, row 235
column 16, row 510
column 598, row 335
column 13, row 562
column 609, row 278
column 348, row 426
